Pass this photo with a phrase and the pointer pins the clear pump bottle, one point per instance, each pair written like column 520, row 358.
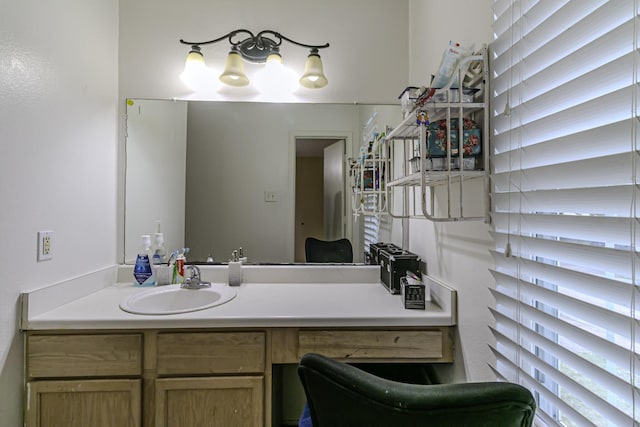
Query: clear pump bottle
column 159, row 250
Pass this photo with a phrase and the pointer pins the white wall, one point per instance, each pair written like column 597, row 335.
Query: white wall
column 58, row 133
column 456, row 253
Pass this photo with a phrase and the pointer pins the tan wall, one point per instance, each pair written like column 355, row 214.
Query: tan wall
column 309, row 202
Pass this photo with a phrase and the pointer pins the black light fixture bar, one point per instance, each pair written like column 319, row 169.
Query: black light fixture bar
column 255, row 48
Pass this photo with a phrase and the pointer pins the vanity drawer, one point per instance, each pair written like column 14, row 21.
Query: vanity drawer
column 210, row 353
column 374, row 344
column 92, row 355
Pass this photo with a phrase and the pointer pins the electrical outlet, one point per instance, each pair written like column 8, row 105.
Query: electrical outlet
column 45, row 245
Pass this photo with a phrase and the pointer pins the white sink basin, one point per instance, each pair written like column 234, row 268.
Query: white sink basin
column 172, row 299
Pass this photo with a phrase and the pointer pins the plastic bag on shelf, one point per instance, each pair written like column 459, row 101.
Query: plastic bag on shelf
column 450, row 59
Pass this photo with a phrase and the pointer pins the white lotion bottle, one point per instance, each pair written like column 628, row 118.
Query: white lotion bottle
column 235, row 270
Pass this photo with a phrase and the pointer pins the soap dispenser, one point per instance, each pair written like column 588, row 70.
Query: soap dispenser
column 235, row 270
column 143, row 269
column 241, row 257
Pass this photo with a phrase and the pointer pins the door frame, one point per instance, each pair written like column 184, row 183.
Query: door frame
column 348, row 146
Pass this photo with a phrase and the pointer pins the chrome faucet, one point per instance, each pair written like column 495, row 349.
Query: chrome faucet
column 194, row 281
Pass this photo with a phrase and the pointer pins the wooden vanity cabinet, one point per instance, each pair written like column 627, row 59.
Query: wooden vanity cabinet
column 210, row 378
column 145, row 378
column 192, row 377
column 83, row 380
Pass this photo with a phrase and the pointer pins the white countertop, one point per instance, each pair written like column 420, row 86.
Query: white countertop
column 288, row 296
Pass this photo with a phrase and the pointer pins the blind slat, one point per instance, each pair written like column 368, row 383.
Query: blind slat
column 577, row 146
column 583, row 258
column 597, row 172
column 577, row 281
column 569, row 227
column 605, row 201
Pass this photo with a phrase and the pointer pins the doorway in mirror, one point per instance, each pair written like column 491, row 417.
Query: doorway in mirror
column 319, row 190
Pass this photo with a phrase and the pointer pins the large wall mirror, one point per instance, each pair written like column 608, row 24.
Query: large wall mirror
column 217, row 176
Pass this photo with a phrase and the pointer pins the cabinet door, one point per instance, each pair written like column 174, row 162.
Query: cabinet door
column 96, row 403
column 208, row 402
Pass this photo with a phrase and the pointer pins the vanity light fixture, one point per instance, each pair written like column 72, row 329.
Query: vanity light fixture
column 261, row 48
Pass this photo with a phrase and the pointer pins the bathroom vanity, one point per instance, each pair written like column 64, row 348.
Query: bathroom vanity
column 89, row 363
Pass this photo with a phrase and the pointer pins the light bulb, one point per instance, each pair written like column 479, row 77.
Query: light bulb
column 313, row 76
column 275, row 80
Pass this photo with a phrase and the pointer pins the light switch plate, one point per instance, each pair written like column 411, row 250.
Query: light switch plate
column 270, row 196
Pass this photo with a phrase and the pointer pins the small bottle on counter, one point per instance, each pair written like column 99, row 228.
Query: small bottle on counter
column 178, row 269
column 241, row 257
column 159, row 251
column 235, row 270
column 143, row 269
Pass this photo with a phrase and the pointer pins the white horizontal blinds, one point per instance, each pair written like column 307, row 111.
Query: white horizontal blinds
column 371, row 202
column 564, row 178
column 371, row 222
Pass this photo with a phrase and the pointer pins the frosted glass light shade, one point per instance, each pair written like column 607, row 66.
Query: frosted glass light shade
column 274, row 57
column 194, row 67
column 313, row 76
column 233, row 74
column 195, row 72
column 195, row 61
column 275, row 80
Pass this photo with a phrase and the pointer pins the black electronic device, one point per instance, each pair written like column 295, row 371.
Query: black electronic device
column 394, row 264
column 375, row 248
column 413, row 294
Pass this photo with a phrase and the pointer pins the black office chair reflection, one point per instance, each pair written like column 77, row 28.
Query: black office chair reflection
column 323, row 251
column 343, row 395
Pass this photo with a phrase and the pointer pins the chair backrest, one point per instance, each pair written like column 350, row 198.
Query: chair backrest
column 324, row 251
column 339, row 394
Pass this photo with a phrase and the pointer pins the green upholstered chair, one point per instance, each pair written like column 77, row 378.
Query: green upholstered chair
column 339, row 394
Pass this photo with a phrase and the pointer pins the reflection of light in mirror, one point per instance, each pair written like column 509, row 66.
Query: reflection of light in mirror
column 275, row 80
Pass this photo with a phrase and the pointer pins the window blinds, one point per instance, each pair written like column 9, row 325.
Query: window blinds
column 371, row 221
column 565, row 189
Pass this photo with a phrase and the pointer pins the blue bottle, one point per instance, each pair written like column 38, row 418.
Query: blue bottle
column 143, row 270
